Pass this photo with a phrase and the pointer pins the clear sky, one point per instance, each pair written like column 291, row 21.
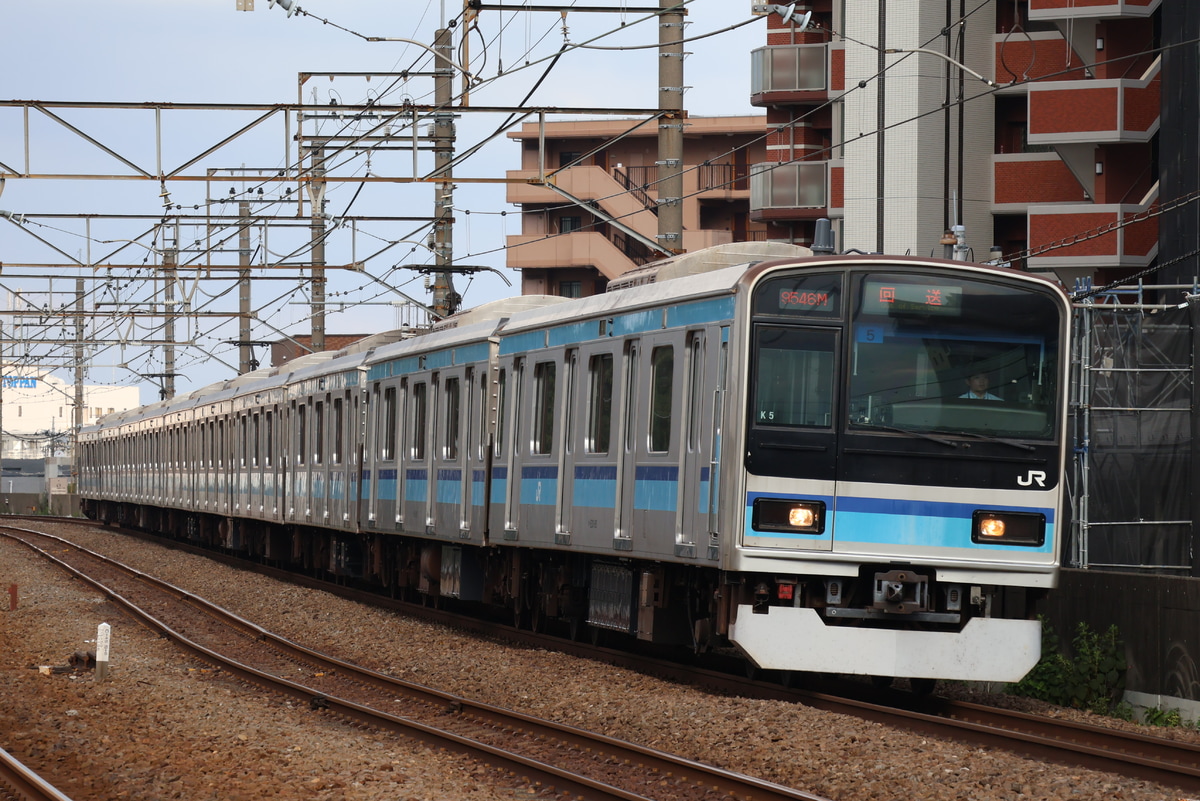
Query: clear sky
column 208, row 51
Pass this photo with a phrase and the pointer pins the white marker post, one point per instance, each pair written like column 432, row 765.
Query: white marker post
column 103, row 638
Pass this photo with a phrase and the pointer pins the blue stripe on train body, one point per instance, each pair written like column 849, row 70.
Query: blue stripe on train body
column 900, row 521
column 539, row 485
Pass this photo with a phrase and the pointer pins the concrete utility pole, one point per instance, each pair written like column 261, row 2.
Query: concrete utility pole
column 316, row 196
column 445, row 299
column 670, row 126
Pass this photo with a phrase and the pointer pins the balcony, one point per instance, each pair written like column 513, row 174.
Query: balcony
column 1024, row 178
column 1093, row 236
column 1122, row 110
column 1090, row 9
column 796, row 73
column 796, row 189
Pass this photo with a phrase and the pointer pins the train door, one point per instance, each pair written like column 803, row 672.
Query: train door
column 338, row 484
column 512, row 502
column 627, row 464
column 568, row 450
column 792, row 430
column 696, row 449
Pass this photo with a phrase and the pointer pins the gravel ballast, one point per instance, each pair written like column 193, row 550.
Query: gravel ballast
column 165, row 726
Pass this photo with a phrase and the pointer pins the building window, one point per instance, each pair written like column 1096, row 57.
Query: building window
column 570, row 289
column 568, row 224
column 568, row 157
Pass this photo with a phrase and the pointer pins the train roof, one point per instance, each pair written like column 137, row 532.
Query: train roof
column 707, row 260
column 712, row 271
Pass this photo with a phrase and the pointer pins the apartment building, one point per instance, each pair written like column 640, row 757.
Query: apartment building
column 599, row 219
column 1033, row 124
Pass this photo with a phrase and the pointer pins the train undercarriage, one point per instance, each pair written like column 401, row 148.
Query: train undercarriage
column 584, row 595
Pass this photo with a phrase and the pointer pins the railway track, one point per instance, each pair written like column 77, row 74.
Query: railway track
column 528, row 752
column 19, row 783
column 1131, row 754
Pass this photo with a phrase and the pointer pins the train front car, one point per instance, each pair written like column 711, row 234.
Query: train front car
column 903, row 429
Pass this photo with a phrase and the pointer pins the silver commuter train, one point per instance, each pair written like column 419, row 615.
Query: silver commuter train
column 785, row 455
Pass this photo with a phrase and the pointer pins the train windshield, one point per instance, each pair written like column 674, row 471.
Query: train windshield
column 938, row 354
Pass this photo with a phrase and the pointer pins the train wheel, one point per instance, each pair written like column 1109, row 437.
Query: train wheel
column 923, row 686
column 882, row 682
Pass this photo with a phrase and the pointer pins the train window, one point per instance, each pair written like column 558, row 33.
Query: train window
column 338, row 424
column 450, row 443
column 302, row 433
column 483, row 415
column 256, row 441
column 662, row 370
column 387, row 447
column 794, row 382
column 220, row 443
column 319, row 432
column 418, row 421
column 244, row 439
column 599, row 425
column 501, row 422
column 270, row 438
column 544, row 376
column 569, row 420
column 695, row 388
column 631, row 360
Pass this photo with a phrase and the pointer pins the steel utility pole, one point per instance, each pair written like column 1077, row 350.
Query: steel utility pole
column 445, row 299
column 316, row 197
column 670, row 126
column 77, row 418
column 245, row 349
column 169, row 262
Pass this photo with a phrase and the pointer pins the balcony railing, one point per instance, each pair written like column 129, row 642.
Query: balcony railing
column 794, row 185
column 789, row 68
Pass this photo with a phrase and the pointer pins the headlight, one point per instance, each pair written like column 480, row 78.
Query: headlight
column 1008, row 528
column 800, row 517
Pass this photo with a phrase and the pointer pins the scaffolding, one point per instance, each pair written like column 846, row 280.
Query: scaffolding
column 1131, row 411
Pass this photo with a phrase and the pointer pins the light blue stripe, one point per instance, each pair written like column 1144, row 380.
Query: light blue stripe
column 519, row 343
column 704, row 311
column 539, row 491
column 416, row 490
column 596, row 492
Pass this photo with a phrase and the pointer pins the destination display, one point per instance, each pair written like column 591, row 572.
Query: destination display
column 808, row 295
column 891, row 298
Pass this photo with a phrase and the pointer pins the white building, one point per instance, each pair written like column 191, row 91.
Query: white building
column 37, row 412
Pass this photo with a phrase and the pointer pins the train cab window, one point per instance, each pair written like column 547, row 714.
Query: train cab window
column 319, row 432
column 387, row 411
column 418, row 420
column 338, row 425
column 953, row 356
column 794, row 381
column 662, row 369
column 599, row 411
column 452, row 399
column 544, row 377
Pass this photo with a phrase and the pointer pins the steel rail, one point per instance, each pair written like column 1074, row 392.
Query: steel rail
column 677, row 770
